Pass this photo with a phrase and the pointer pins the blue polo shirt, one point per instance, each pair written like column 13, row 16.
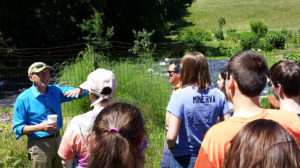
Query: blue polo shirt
column 31, row 108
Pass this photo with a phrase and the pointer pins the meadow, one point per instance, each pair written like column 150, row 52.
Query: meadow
column 277, row 14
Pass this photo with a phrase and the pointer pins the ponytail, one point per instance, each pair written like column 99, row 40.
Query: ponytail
column 112, row 151
column 118, row 130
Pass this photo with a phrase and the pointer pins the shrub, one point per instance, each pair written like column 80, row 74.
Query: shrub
column 95, row 32
column 229, row 50
column 143, row 46
column 248, row 40
column 259, row 28
column 195, row 37
column 218, row 34
column 221, row 22
column 293, row 57
column 233, row 34
column 276, row 40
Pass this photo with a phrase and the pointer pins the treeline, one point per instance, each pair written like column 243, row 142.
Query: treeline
column 47, row 23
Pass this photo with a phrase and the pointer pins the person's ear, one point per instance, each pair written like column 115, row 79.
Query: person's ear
column 231, row 82
column 280, row 89
column 30, row 78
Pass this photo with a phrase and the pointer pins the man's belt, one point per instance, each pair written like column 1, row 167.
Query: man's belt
column 50, row 136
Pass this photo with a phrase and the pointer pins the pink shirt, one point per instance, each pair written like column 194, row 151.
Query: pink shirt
column 77, row 140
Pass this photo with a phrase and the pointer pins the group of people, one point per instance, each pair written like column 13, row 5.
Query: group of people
column 206, row 126
column 110, row 135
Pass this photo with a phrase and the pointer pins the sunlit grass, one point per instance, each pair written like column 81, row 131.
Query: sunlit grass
column 277, row 14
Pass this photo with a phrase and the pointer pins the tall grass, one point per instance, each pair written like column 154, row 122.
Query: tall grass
column 12, row 153
column 148, row 90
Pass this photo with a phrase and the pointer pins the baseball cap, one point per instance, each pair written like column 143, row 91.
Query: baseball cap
column 38, row 67
column 102, row 83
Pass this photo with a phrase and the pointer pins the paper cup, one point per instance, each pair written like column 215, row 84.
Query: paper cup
column 52, row 118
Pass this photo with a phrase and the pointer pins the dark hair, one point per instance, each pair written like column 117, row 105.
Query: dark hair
column 287, row 74
column 194, row 71
column 223, row 73
column 117, row 149
column 262, row 144
column 249, row 69
column 177, row 65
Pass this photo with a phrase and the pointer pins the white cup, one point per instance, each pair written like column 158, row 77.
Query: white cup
column 52, row 118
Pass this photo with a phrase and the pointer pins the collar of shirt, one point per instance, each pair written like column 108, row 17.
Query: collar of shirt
column 35, row 92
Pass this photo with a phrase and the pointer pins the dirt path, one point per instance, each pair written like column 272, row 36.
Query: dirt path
column 6, row 117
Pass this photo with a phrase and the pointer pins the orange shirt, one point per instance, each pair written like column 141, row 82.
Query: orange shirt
column 218, row 137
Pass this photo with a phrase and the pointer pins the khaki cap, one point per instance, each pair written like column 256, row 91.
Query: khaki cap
column 38, row 67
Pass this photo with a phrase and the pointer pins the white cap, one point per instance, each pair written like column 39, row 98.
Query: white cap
column 102, row 83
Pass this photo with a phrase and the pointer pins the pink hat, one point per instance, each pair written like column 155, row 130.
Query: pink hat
column 102, row 83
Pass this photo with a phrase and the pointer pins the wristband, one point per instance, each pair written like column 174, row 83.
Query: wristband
column 80, row 88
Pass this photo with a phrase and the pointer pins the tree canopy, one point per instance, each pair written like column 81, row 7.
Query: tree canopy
column 46, row 23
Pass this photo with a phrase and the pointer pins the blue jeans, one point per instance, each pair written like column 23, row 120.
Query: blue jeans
column 187, row 161
column 166, row 157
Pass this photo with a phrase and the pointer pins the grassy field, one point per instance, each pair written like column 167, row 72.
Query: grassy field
column 277, row 14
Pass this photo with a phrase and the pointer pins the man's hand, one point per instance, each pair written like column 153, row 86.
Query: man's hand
column 48, row 127
column 73, row 93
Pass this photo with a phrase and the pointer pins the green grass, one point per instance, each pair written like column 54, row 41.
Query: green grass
column 238, row 13
column 149, row 91
column 4, row 110
column 264, row 102
column 12, row 153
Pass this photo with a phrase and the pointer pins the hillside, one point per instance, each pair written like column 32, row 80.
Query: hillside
column 277, row 14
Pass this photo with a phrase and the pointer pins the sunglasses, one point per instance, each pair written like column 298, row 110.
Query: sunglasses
column 171, row 72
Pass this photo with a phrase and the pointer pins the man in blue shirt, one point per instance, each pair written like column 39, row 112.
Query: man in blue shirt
column 30, row 115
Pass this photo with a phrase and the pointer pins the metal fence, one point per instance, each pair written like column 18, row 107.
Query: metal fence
column 14, row 65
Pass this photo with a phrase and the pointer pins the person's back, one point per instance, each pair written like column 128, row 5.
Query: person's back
column 262, row 144
column 193, row 109
column 77, row 142
column 247, row 76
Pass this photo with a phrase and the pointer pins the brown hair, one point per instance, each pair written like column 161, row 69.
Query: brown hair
column 262, row 144
column 287, row 74
column 117, row 148
column 194, row 71
column 249, row 69
column 223, row 73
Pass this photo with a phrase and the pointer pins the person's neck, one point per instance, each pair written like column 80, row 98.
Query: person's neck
column 102, row 104
column 41, row 89
column 290, row 104
column 245, row 107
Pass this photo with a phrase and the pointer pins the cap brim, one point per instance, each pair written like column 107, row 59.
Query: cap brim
column 85, row 85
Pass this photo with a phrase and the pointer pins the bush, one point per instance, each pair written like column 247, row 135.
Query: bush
column 195, row 37
column 143, row 47
column 229, row 50
column 233, row 34
column 276, row 40
column 293, row 57
column 259, row 28
column 221, row 22
column 219, row 34
column 248, row 40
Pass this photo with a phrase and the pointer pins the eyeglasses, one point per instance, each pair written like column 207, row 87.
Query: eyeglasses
column 171, row 72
